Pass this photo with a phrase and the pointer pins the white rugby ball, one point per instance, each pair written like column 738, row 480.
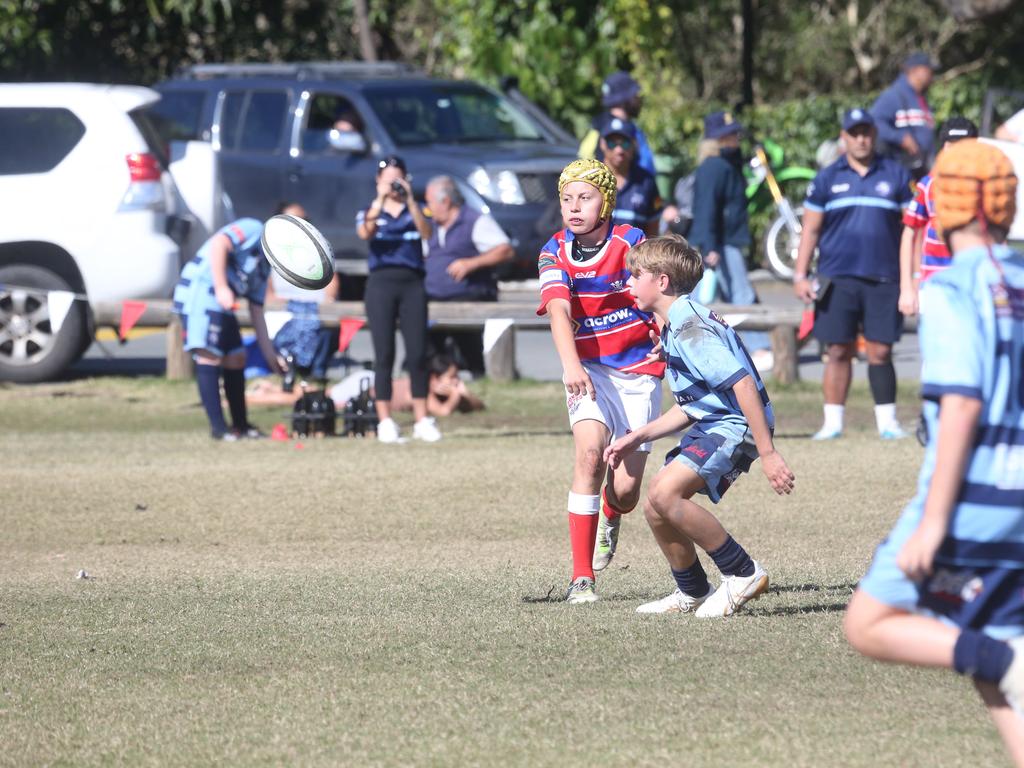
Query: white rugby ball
column 297, row 250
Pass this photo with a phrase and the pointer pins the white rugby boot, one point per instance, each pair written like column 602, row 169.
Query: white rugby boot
column 733, row 593
column 677, row 602
column 607, row 541
column 581, row 591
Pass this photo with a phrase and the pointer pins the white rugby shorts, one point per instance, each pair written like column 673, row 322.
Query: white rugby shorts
column 625, row 401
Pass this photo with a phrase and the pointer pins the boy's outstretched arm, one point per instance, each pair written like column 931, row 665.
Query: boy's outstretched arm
column 958, row 418
column 775, row 468
column 575, row 378
column 673, row 420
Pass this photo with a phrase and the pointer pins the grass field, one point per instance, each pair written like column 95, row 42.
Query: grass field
column 352, row 603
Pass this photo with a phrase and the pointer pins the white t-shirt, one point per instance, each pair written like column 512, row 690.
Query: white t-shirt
column 487, row 234
column 1015, row 125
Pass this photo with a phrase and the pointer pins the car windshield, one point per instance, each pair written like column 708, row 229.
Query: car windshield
column 449, row 114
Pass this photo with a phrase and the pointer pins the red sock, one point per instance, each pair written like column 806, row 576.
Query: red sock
column 610, row 510
column 582, row 536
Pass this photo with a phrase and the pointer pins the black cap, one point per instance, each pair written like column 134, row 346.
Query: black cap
column 957, row 128
column 391, row 160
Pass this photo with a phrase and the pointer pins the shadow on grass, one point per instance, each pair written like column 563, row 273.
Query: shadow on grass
column 791, row 610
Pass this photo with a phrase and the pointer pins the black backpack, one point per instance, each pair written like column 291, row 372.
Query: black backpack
column 360, row 414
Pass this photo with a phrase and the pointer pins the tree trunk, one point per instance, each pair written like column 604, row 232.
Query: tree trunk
column 366, row 46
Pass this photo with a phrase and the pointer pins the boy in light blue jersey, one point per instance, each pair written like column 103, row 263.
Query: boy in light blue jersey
column 946, row 588
column 722, row 398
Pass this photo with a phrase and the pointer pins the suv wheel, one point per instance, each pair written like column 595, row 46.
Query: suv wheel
column 29, row 349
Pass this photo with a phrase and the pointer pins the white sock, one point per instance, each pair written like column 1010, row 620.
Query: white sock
column 885, row 416
column 833, row 417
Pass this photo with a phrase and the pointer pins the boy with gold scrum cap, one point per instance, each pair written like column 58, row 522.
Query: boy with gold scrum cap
column 946, row 588
column 610, row 371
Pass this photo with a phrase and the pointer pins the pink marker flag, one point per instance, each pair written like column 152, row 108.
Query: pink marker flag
column 131, row 311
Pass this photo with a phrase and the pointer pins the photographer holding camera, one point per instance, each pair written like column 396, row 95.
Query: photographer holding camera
column 395, row 227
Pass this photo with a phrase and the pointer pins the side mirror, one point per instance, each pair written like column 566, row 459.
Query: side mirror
column 346, row 141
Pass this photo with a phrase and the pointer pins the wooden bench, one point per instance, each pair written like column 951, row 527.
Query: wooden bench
column 510, row 315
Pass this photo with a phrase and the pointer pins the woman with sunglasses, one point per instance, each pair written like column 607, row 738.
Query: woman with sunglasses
column 396, row 228
column 637, row 201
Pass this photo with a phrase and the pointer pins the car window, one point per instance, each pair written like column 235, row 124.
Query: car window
column 36, row 139
column 230, row 118
column 264, row 121
column 176, row 117
column 324, row 112
column 449, row 114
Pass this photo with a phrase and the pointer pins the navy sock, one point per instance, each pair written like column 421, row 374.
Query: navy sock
column 732, row 559
column 208, row 379
column 882, row 379
column 981, row 657
column 234, row 390
column 693, row 581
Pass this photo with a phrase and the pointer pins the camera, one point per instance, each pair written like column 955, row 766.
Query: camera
column 398, row 189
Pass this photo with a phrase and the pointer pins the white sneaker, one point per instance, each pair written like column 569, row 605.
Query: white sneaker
column 827, row 433
column 387, row 432
column 677, row 602
column 1012, row 684
column 733, row 592
column 426, row 430
column 581, row 591
column 892, row 432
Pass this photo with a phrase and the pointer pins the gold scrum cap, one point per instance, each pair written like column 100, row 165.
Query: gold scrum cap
column 972, row 177
column 596, row 174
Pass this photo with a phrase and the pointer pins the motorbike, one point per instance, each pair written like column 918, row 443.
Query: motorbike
column 770, row 191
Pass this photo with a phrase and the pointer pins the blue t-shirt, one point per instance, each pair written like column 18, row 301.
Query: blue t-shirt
column 705, row 360
column 972, row 344
column 247, row 270
column 638, row 202
column 397, row 242
column 860, row 235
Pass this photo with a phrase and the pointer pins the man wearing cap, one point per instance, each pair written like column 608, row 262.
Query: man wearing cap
column 637, row 201
column 922, row 251
column 946, row 588
column 620, row 96
column 852, row 215
column 720, row 229
column 906, row 126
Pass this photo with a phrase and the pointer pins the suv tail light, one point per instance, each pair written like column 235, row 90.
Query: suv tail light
column 145, row 188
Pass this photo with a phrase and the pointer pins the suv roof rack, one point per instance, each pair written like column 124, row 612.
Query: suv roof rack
column 304, row 70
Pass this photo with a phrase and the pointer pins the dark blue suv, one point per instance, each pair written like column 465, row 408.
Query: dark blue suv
column 275, row 131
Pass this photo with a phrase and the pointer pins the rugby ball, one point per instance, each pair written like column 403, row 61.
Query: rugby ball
column 298, row 252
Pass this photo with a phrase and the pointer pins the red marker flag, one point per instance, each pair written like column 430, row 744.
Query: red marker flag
column 806, row 324
column 348, row 326
column 131, row 311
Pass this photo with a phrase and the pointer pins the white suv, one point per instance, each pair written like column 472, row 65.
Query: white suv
column 85, row 201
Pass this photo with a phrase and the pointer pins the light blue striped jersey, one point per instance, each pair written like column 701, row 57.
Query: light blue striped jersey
column 705, row 359
column 247, row 270
column 972, row 344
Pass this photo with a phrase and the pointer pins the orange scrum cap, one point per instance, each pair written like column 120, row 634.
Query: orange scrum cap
column 973, row 180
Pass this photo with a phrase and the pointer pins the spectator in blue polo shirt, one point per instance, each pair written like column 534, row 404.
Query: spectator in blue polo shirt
column 395, row 227
column 853, row 214
column 720, row 228
column 637, row 201
column 906, row 126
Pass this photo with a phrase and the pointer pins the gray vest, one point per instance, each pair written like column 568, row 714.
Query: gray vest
column 458, row 244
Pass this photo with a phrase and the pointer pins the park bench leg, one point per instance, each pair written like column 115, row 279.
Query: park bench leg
column 500, row 356
column 784, row 349
column 179, row 362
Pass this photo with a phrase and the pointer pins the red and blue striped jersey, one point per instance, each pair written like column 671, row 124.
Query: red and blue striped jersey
column 920, row 214
column 609, row 329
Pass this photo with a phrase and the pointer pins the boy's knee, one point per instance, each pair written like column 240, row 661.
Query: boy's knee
column 856, row 628
column 656, row 504
column 590, row 462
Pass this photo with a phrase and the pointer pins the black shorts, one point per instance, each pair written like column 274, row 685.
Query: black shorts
column 856, row 304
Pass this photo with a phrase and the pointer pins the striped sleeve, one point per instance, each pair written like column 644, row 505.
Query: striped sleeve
column 554, row 279
column 915, row 215
column 241, row 231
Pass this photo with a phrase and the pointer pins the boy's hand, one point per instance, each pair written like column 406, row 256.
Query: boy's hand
column 908, row 303
column 778, row 472
column 577, row 382
column 225, row 297
column 917, row 556
column 620, row 449
column 658, row 353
